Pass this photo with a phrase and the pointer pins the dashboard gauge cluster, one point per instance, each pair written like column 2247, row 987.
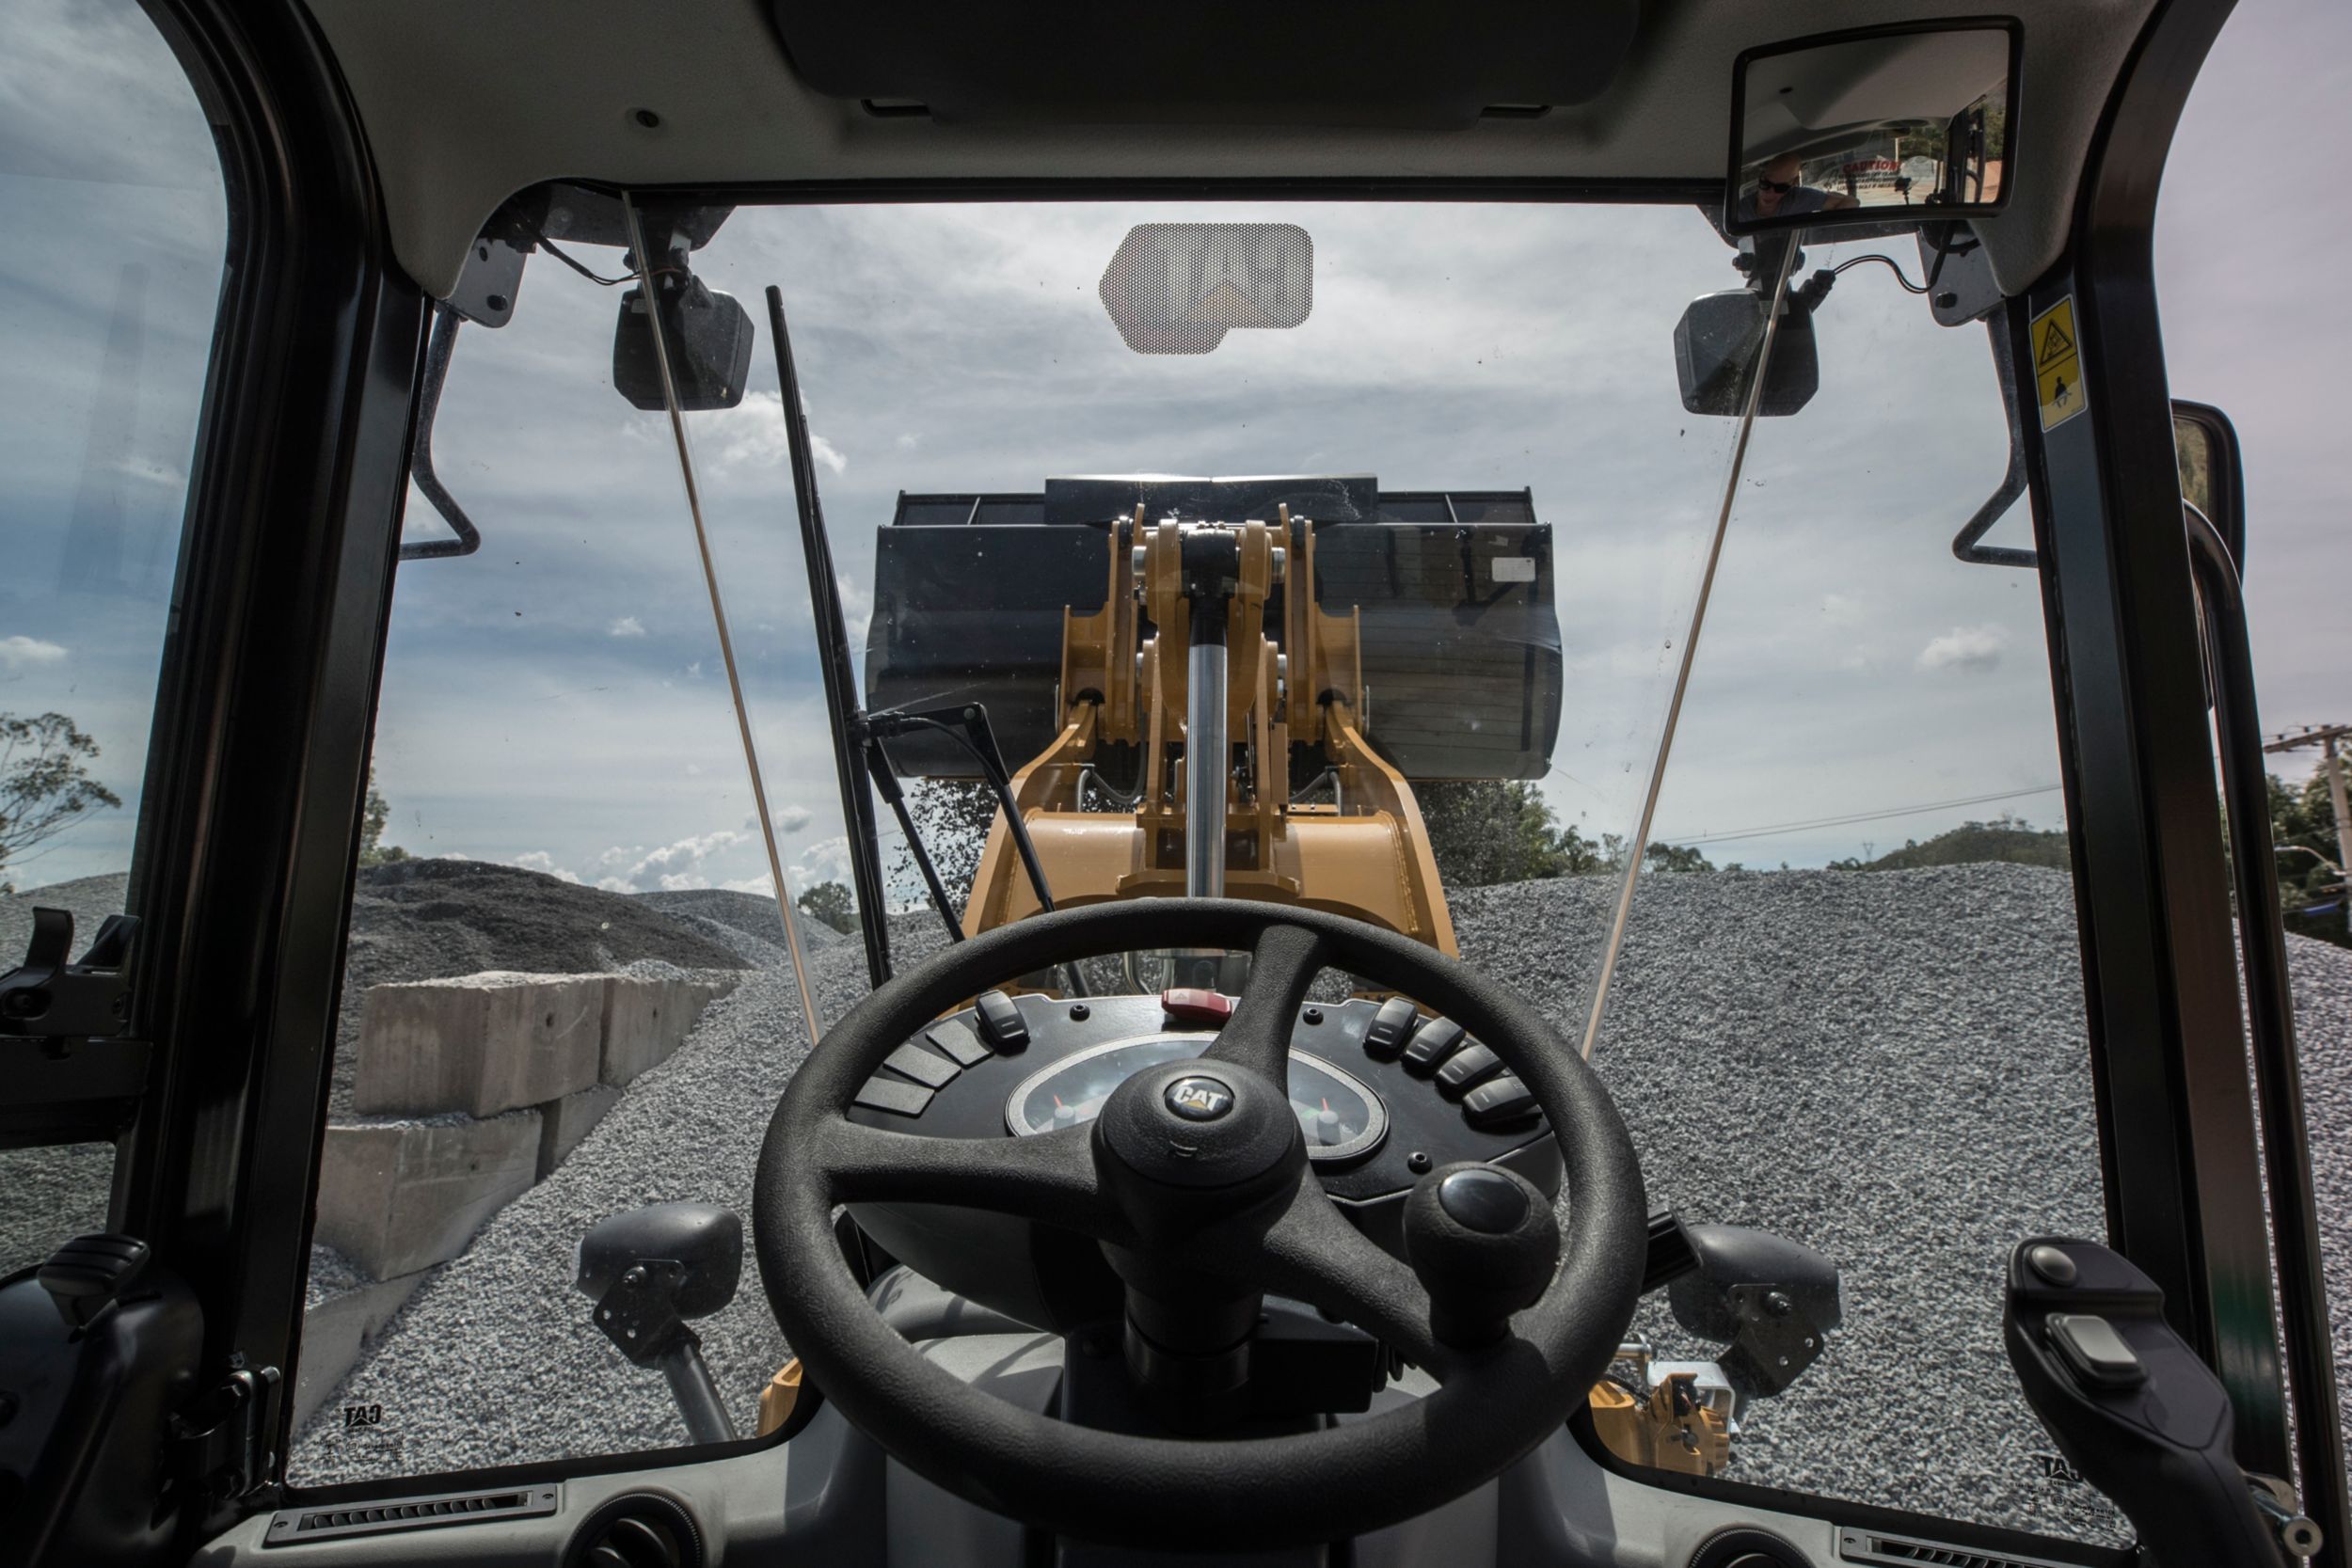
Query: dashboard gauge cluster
column 1381, row 1093
column 1340, row 1117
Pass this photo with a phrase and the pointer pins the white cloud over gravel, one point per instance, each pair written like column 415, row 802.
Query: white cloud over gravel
column 540, row 861
column 19, row 651
column 1966, row 649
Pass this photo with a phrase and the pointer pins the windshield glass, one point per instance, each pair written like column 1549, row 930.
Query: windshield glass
column 1055, row 448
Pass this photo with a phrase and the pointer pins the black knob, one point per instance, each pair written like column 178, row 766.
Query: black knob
column 1484, row 1241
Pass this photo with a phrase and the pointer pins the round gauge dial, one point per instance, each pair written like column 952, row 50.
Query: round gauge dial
column 1340, row 1118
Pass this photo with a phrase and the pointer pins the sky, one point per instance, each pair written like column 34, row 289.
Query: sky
column 557, row 701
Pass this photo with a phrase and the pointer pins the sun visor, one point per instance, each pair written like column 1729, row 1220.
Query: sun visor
column 1431, row 67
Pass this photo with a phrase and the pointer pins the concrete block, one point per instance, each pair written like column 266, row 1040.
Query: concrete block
column 334, row 1333
column 480, row 1044
column 564, row 1122
column 646, row 1020
column 398, row 1196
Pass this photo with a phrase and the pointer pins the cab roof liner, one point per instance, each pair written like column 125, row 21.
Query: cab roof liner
column 1212, row 61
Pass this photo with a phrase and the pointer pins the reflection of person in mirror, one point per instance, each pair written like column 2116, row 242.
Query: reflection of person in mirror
column 1781, row 193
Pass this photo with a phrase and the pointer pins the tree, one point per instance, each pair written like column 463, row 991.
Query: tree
column 2303, row 837
column 45, row 783
column 1677, row 857
column 1487, row 830
column 831, row 903
column 372, row 850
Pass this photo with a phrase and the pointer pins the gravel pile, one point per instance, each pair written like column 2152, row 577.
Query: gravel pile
column 745, row 923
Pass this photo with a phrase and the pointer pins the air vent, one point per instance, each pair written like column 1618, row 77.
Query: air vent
column 643, row 1529
column 392, row 1514
column 1903, row 1551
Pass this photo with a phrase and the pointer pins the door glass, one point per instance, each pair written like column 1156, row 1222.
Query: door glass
column 113, row 223
column 1851, row 1003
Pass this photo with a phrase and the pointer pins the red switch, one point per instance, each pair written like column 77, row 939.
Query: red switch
column 1197, row 1008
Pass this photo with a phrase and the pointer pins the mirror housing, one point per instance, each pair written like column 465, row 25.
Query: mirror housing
column 1716, row 345
column 709, row 338
column 1910, row 123
column 1774, row 1299
column 704, row 1240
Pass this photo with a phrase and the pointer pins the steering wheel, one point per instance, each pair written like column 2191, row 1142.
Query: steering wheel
column 1173, row 1196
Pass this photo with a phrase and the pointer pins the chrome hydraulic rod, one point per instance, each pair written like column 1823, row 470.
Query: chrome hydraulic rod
column 1206, row 757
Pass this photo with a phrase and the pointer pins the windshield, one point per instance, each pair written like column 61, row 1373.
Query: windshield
column 1054, row 449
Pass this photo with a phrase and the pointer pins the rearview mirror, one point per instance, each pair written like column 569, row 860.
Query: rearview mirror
column 1717, row 343
column 1873, row 127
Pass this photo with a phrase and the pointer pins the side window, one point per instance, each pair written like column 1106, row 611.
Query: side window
column 113, row 228
column 565, row 993
column 1852, row 1007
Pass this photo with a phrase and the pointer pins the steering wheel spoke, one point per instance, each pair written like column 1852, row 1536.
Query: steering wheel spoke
column 1312, row 1254
column 1282, row 966
column 1049, row 1178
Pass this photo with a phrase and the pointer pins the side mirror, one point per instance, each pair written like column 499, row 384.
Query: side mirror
column 1717, row 343
column 697, row 1248
column 709, row 338
column 1774, row 1299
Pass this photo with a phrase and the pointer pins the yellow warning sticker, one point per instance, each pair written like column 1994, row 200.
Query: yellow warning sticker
column 2057, row 364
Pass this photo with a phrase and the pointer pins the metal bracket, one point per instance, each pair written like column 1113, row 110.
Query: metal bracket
column 640, row 1312
column 49, row 998
column 220, row 1443
column 1775, row 1342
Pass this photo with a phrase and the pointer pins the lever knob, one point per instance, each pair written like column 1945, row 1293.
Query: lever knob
column 1485, row 1245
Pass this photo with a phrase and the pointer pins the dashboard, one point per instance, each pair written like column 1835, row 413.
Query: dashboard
column 1382, row 1093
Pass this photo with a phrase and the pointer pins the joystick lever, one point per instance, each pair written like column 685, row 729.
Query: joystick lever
column 1484, row 1245
column 2134, row 1410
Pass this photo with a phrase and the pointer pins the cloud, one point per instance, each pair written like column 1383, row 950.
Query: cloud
column 792, row 819
column 543, row 863
column 908, row 440
column 1966, row 649
column 670, row 867
column 752, row 435
column 825, row 861
column 627, row 626
column 20, row 652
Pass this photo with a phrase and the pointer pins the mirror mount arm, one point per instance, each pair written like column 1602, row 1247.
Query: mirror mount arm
column 466, row 538
column 1964, row 544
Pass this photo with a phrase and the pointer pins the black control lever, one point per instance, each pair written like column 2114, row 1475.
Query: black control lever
column 2130, row 1405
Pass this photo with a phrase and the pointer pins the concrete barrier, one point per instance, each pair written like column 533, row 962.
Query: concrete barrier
column 336, row 1330
column 564, row 1122
column 397, row 1196
column 480, row 1044
column 646, row 1020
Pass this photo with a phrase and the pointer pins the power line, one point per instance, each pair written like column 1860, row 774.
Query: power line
column 1776, row 828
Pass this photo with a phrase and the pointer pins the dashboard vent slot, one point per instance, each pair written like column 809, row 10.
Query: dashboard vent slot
column 642, row 1529
column 1903, row 1551
column 343, row 1520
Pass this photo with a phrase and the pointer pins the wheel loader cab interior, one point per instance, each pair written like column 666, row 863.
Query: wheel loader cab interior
column 1129, row 789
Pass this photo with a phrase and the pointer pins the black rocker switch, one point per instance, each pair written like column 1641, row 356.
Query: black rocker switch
column 1002, row 1022
column 1391, row 1027
column 2130, row 1405
column 1483, row 1242
column 1433, row 1042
